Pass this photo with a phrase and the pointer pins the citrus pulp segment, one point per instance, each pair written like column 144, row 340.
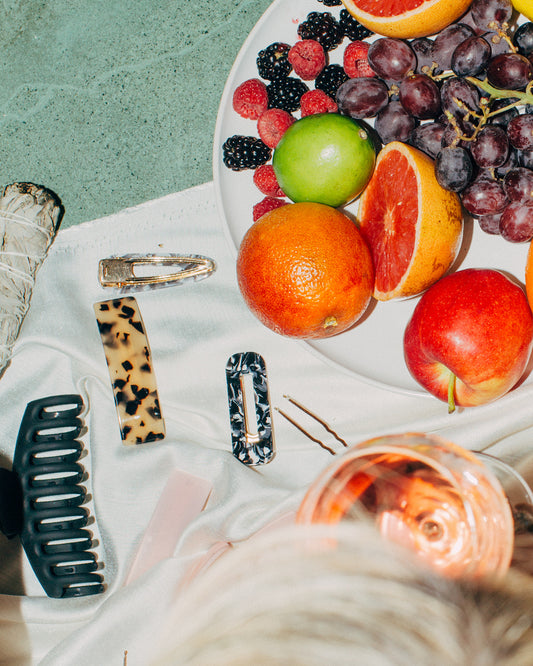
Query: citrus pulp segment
column 406, row 19
column 412, row 225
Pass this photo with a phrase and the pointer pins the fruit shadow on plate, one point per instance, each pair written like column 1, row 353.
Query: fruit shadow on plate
column 466, row 242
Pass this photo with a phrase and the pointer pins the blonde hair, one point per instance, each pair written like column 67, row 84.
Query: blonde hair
column 317, row 595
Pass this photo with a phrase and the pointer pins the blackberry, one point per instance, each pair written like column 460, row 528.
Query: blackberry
column 331, row 3
column 330, row 78
column 323, row 27
column 351, row 27
column 286, row 93
column 244, row 152
column 273, row 63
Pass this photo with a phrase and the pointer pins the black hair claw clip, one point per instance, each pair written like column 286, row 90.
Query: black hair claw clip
column 41, row 498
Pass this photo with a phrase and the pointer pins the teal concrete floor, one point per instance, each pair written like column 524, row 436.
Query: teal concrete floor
column 110, row 103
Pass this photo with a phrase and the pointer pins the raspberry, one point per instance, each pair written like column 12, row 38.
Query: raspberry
column 266, row 205
column 266, row 182
column 307, row 58
column 250, row 99
column 316, row 101
column 272, row 125
column 356, row 60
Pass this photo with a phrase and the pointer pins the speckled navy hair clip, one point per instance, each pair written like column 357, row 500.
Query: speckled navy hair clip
column 129, row 360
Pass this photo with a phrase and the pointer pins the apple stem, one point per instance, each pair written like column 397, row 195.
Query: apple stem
column 451, row 393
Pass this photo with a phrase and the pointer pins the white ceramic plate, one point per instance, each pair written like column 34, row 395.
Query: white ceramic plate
column 373, row 349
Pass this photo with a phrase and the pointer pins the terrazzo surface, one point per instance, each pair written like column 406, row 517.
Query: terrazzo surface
column 113, row 103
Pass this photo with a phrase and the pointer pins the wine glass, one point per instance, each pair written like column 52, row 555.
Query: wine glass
column 426, row 493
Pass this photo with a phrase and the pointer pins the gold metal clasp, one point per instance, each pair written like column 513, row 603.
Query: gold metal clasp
column 131, row 270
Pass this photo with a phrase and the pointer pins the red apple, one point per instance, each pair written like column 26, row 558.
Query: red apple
column 470, row 337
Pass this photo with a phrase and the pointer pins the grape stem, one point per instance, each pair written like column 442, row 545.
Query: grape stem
column 451, row 393
column 518, row 96
column 502, row 32
column 521, row 96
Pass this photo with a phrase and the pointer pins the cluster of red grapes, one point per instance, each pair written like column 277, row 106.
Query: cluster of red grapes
column 465, row 97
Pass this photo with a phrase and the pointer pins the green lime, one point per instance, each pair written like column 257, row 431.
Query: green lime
column 325, row 158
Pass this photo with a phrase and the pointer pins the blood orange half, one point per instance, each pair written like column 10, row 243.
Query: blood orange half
column 406, row 19
column 412, row 225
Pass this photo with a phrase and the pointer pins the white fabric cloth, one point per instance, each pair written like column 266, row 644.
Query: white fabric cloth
column 193, row 329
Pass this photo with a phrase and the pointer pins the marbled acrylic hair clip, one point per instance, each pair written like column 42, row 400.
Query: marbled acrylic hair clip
column 249, row 409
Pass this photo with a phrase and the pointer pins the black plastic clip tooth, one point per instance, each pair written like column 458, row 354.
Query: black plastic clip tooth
column 61, row 519
column 41, row 498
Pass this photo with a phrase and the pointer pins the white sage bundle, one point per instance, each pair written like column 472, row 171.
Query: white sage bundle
column 30, row 216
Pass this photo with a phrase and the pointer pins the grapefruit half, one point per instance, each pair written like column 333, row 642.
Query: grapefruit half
column 412, row 225
column 406, row 19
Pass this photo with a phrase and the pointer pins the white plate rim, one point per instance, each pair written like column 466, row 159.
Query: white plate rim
column 225, row 103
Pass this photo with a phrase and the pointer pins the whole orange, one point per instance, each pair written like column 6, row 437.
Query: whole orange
column 305, row 271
